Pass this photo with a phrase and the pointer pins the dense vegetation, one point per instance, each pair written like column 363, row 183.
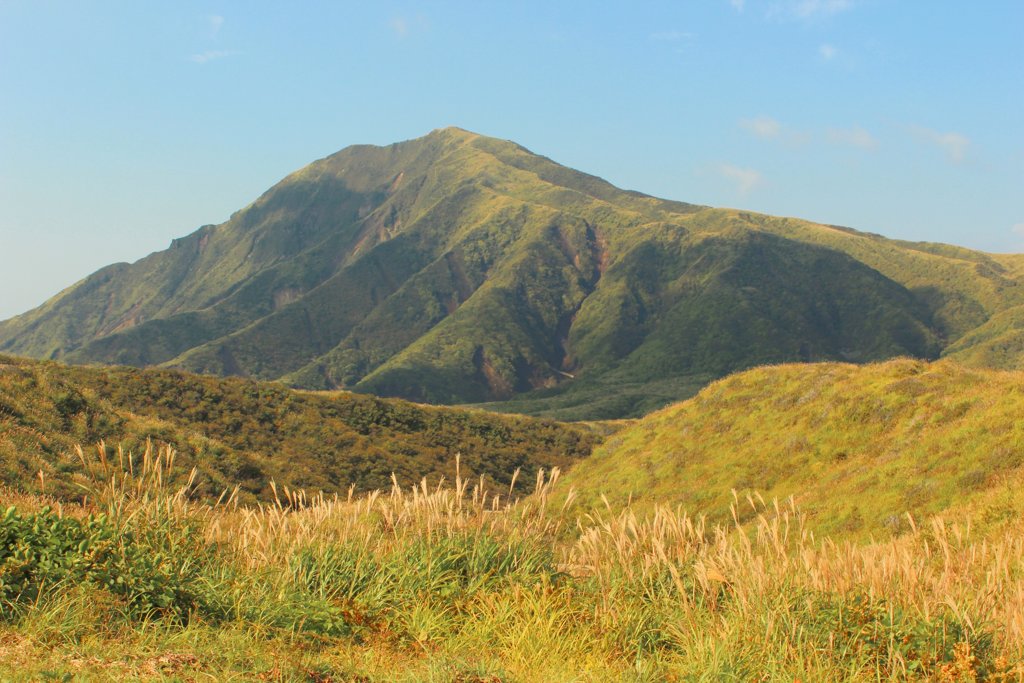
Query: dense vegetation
column 691, row 546
column 449, row 584
column 248, row 433
column 999, row 343
column 457, row 268
column 858, row 446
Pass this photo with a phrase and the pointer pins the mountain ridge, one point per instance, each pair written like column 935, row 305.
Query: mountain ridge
column 457, row 268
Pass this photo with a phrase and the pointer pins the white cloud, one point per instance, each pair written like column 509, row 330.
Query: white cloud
column 763, row 127
column 767, row 128
column 855, row 136
column 806, row 10
column 216, row 21
column 210, row 55
column 955, row 145
column 827, row 51
column 1018, row 232
column 403, row 26
column 400, row 26
column 809, row 9
column 671, row 36
column 745, row 179
column 738, row 4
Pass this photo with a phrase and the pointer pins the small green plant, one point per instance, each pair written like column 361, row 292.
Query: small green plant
column 878, row 631
column 44, row 552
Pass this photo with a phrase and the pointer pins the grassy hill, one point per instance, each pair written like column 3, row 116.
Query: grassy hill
column 248, row 433
column 456, row 268
column 856, row 446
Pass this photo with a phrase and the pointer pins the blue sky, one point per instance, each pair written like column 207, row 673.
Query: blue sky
column 126, row 124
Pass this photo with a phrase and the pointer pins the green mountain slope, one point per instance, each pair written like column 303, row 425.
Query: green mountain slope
column 857, row 446
column 248, row 433
column 998, row 343
column 457, row 268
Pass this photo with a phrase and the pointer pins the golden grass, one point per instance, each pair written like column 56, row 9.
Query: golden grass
column 924, row 572
column 614, row 595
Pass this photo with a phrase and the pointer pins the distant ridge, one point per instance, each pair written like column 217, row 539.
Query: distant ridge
column 457, row 268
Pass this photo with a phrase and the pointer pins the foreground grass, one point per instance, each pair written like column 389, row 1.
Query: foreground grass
column 450, row 583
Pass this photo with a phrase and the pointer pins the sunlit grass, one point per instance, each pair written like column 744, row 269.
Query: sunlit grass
column 452, row 582
column 856, row 445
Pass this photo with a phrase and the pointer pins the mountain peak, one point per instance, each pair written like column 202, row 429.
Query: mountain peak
column 456, row 267
column 453, row 131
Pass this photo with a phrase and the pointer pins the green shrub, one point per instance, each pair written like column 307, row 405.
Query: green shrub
column 863, row 628
column 43, row 550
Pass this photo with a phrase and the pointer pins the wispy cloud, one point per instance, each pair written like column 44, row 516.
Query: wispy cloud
column 215, row 22
column 810, row 9
column 738, row 5
column 210, row 27
column 400, row 26
column 806, row 10
column 745, row 179
column 767, row 128
column 1018, row 236
column 827, row 52
column 403, row 26
column 855, row 136
column 763, row 127
column 210, row 55
column 672, row 36
column 955, row 145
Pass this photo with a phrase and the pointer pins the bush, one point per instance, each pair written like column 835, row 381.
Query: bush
column 43, row 550
column 872, row 630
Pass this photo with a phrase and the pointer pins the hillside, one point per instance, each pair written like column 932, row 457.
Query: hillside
column 999, row 343
column 456, row 268
column 248, row 433
column 857, row 446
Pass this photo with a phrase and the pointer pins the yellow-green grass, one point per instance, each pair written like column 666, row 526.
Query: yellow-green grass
column 999, row 343
column 857, row 446
column 452, row 584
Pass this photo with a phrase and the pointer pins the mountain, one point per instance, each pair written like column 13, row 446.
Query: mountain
column 457, row 268
column 236, row 431
column 856, row 446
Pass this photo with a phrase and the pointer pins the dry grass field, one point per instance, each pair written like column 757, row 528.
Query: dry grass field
column 454, row 583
